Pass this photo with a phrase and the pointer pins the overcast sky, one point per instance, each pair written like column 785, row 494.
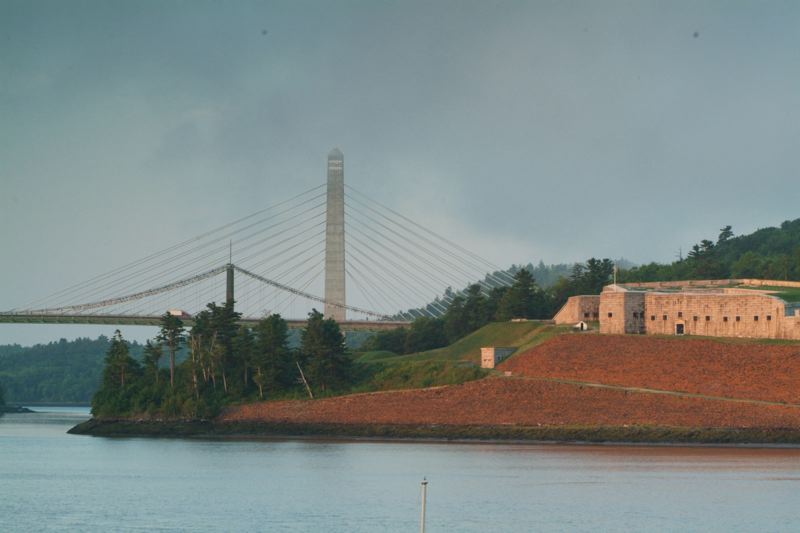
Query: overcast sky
column 522, row 130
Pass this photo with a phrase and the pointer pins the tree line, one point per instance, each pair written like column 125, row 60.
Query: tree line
column 226, row 363
column 768, row 253
column 479, row 305
column 60, row 371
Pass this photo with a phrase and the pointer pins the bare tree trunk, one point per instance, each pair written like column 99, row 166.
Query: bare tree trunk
column 195, row 349
column 224, row 381
column 303, row 377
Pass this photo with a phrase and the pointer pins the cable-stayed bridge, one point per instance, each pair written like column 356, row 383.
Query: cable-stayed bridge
column 383, row 271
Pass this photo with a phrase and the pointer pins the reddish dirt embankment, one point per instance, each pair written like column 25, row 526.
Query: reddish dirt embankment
column 745, row 371
column 739, row 370
column 502, row 401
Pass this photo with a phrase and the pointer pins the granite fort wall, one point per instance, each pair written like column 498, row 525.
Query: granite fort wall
column 577, row 308
column 719, row 315
column 710, row 283
column 621, row 311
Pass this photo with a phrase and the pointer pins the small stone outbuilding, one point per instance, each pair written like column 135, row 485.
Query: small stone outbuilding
column 491, row 355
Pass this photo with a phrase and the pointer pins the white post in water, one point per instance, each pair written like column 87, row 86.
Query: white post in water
column 424, row 498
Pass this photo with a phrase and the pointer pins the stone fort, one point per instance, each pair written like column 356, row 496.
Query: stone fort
column 715, row 308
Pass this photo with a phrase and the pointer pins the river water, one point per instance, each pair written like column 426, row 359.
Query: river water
column 51, row 481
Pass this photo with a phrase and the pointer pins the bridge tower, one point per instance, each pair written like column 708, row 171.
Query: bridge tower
column 229, row 284
column 334, row 238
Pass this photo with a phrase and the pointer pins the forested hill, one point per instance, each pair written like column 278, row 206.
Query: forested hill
column 768, row 253
column 59, row 372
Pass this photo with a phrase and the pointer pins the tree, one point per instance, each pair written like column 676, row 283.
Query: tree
column 475, row 308
column 425, row 334
column 152, row 356
column 244, row 347
column 493, row 302
column 2, row 395
column 455, row 320
column 725, row 234
column 224, row 324
column 119, row 363
column 171, row 335
column 518, row 301
column 749, row 265
column 271, row 354
column 322, row 345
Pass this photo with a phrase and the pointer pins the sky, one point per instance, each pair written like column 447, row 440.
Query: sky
column 524, row 131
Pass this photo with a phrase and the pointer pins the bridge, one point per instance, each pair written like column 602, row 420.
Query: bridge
column 383, row 272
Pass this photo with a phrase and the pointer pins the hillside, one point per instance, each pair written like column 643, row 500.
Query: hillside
column 767, row 253
column 451, row 365
column 507, row 334
column 590, row 386
column 746, row 370
column 499, row 401
column 57, row 372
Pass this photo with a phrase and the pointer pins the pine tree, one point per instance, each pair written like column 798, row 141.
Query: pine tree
column 272, row 358
column 322, row 345
column 172, row 336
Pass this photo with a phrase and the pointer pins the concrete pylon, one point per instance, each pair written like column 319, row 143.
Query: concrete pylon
column 334, row 238
column 229, row 284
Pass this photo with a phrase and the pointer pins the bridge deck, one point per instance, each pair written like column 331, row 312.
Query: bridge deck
column 125, row 320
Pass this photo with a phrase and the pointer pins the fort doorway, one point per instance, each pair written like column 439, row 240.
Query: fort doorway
column 679, row 329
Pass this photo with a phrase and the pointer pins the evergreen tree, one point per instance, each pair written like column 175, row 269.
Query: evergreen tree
column 475, row 308
column 322, row 345
column 425, row 334
column 152, row 356
column 120, row 374
column 119, row 363
column 271, row 356
column 455, row 320
column 172, row 336
column 518, row 301
column 224, row 323
column 244, row 348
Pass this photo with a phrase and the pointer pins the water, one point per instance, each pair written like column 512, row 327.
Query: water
column 51, row 481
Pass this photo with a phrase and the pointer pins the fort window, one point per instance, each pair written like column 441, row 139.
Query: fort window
column 755, row 318
column 635, row 315
column 665, row 317
column 724, row 319
column 680, row 314
column 708, row 318
column 695, row 318
column 585, row 315
column 738, row 319
column 610, row 315
column 769, row 317
column 652, row 317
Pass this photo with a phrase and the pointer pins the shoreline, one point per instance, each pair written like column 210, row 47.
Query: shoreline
column 611, row 435
column 14, row 409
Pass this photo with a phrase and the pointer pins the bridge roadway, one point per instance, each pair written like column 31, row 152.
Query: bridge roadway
column 127, row 320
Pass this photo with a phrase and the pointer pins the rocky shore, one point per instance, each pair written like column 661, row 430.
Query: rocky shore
column 435, row 432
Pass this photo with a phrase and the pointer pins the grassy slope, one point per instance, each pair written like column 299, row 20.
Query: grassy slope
column 505, row 334
column 453, row 364
column 787, row 294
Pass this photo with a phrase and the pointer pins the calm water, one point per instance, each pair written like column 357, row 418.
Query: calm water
column 50, row 481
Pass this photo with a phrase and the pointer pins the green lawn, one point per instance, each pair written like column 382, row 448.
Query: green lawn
column 788, row 294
